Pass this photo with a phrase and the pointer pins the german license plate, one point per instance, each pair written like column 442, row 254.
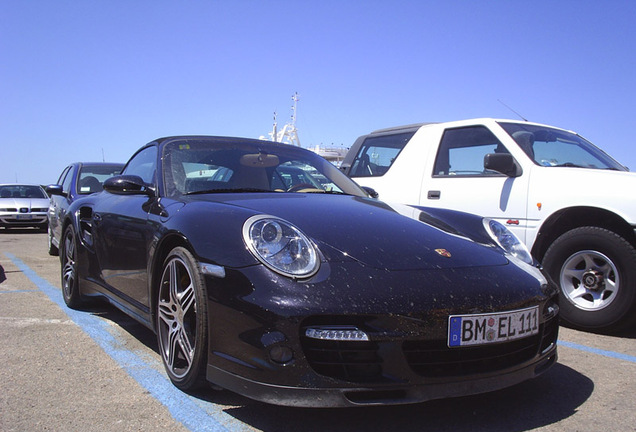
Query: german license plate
column 481, row 329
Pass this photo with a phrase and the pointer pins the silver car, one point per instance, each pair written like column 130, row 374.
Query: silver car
column 23, row 205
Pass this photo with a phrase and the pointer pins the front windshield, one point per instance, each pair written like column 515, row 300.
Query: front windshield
column 220, row 165
column 22, row 191
column 555, row 147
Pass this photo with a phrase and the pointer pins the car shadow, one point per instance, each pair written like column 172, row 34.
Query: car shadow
column 540, row 402
column 101, row 308
column 548, row 399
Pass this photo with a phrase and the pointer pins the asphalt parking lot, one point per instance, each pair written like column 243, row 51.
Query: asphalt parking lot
column 98, row 370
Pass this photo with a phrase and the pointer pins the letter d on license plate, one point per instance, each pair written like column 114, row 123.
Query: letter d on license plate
column 481, row 329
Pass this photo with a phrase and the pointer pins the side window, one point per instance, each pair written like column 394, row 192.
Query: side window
column 377, row 154
column 68, row 178
column 143, row 164
column 462, row 151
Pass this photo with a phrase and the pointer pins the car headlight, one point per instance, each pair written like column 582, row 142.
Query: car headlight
column 280, row 246
column 507, row 240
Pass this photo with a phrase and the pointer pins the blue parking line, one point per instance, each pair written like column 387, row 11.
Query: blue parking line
column 597, row 351
column 182, row 407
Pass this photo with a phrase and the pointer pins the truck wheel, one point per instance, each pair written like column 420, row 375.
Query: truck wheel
column 596, row 272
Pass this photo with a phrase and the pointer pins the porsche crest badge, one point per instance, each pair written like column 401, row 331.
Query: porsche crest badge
column 443, row 252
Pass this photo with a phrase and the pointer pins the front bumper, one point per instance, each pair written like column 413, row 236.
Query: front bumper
column 352, row 396
column 258, row 347
column 23, row 219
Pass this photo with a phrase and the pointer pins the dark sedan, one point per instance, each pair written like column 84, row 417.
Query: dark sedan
column 306, row 294
column 78, row 179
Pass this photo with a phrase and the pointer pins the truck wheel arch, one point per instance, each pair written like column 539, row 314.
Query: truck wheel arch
column 568, row 219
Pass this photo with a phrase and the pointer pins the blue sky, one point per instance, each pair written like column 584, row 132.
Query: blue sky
column 93, row 80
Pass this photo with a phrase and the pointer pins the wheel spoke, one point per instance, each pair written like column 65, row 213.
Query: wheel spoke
column 174, row 283
column 186, row 346
column 571, row 273
column 186, row 299
column 578, row 294
column 173, row 342
column 165, row 314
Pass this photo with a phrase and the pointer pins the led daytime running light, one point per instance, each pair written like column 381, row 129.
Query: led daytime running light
column 337, row 334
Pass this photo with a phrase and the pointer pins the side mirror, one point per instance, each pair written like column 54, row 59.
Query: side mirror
column 54, row 189
column 502, row 163
column 128, row 185
column 370, row 191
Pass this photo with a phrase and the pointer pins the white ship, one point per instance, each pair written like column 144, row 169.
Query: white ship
column 289, row 135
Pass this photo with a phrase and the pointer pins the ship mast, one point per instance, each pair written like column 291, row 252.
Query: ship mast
column 288, row 134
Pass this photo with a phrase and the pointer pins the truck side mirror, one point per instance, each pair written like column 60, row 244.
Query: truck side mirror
column 371, row 192
column 502, row 163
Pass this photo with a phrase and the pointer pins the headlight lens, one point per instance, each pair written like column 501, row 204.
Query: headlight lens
column 280, row 246
column 507, row 240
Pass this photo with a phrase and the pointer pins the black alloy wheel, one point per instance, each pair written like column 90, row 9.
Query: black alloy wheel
column 70, row 282
column 182, row 320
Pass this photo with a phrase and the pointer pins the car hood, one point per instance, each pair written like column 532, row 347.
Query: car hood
column 30, row 203
column 370, row 232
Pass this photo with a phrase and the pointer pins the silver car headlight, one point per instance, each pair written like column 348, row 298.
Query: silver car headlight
column 507, row 240
column 280, row 246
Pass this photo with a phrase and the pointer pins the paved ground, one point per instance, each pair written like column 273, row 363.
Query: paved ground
column 97, row 370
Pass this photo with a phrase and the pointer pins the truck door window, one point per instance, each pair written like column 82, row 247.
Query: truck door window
column 377, row 154
column 462, row 151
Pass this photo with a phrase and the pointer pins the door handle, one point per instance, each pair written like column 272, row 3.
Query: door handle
column 434, row 194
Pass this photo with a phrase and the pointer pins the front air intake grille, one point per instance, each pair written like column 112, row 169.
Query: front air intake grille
column 353, row 361
column 436, row 359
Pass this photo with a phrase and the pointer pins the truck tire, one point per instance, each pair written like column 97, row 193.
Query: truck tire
column 596, row 272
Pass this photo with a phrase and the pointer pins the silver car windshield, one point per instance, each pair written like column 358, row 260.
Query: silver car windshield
column 22, row 191
column 558, row 148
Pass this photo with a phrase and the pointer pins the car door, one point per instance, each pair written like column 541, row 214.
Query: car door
column 457, row 180
column 123, row 231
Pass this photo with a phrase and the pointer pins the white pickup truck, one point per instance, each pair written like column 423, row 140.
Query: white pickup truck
column 570, row 202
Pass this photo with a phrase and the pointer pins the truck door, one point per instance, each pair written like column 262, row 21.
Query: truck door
column 459, row 181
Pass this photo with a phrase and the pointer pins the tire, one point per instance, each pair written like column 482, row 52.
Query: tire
column 182, row 321
column 596, row 272
column 68, row 262
column 53, row 250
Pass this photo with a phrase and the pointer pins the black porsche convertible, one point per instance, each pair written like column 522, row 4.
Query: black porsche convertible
column 266, row 271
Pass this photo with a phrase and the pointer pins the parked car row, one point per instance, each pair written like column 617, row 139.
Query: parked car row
column 77, row 180
column 31, row 205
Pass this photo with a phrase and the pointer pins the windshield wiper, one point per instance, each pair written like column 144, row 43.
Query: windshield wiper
column 571, row 165
column 227, row 190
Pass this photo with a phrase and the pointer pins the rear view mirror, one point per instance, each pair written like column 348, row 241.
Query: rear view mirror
column 502, row 163
column 259, row 160
column 128, row 185
column 54, row 189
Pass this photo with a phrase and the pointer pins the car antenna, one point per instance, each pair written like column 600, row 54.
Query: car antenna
column 522, row 117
